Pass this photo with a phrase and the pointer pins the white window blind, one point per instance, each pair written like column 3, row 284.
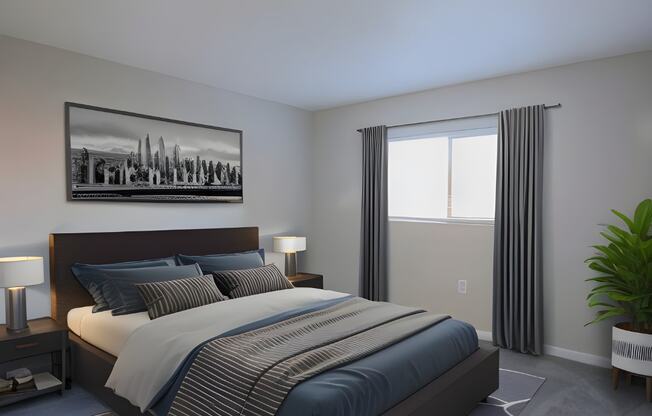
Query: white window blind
column 443, row 171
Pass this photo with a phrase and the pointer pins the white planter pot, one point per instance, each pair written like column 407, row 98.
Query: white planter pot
column 631, row 351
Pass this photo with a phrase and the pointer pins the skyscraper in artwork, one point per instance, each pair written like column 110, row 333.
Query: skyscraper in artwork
column 177, row 156
column 148, row 153
column 161, row 155
column 139, row 155
column 197, row 169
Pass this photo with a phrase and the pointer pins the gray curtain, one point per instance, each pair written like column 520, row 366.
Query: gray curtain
column 517, row 288
column 373, row 230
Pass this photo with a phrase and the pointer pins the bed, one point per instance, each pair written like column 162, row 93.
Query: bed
column 415, row 381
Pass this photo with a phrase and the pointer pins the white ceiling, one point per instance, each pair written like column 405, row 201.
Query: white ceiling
column 319, row 54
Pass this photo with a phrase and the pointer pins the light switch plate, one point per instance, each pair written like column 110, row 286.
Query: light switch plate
column 461, row 287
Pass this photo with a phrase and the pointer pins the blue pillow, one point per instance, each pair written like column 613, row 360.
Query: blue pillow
column 229, row 261
column 120, row 292
column 91, row 276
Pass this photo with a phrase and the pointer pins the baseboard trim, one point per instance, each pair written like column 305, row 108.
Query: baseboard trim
column 484, row 335
column 580, row 357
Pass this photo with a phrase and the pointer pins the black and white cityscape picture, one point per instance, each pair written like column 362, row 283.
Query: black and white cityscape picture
column 115, row 155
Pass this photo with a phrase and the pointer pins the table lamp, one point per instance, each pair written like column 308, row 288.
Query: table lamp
column 290, row 245
column 15, row 274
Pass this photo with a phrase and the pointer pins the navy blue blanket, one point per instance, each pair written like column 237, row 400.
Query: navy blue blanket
column 368, row 386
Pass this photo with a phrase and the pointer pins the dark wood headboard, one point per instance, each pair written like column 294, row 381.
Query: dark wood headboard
column 99, row 248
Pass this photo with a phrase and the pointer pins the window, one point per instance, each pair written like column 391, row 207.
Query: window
column 443, row 171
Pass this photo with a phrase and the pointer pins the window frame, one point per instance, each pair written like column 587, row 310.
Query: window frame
column 452, row 135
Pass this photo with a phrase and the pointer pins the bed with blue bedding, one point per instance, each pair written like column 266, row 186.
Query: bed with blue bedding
column 368, row 383
column 368, row 386
column 392, row 361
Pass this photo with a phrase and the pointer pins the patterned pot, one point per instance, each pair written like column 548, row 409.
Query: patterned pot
column 631, row 351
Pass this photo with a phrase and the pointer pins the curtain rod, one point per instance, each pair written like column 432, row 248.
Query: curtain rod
column 547, row 107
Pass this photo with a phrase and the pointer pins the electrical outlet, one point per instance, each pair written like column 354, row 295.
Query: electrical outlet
column 461, row 287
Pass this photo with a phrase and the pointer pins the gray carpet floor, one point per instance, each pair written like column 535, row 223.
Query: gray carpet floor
column 515, row 391
column 570, row 389
column 74, row 402
column 576, row 389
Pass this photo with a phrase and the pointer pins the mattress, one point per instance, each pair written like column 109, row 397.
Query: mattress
column 103, row 330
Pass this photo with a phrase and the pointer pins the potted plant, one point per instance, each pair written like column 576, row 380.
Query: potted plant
column 624, row 289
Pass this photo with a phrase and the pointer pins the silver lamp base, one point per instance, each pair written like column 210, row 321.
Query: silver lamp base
column 16, row 309
column 290, row 264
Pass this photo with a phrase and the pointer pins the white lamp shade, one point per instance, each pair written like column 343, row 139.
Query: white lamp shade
column 289, row 244
column 21, row 271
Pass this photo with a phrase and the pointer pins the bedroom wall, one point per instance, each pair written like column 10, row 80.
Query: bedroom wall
column 426, row 261
column 598, row 155
column 36, row 80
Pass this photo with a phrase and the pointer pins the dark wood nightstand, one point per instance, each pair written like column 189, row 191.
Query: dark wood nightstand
column 307, row 280
column 44, row 336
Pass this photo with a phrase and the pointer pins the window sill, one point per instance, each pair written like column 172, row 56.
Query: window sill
column 469, row 221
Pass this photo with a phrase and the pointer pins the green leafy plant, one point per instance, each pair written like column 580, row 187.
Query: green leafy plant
column 624, row 286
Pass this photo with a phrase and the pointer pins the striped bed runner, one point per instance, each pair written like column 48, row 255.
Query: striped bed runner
column 251, row 373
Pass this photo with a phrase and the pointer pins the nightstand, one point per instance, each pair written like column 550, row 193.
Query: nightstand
column 44, row 336
column 307, row 280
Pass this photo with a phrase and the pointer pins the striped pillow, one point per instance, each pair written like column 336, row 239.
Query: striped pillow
column 164, row 298
column 122, row 296
column 247, row 282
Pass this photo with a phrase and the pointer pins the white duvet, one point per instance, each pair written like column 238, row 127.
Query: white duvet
column 154, row 351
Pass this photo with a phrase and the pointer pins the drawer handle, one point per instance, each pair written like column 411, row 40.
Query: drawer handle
column 24, row 346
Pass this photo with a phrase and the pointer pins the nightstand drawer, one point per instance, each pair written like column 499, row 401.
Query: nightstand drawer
column 33, row 345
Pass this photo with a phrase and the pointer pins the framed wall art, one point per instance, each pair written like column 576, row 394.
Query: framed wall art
column 121, row 156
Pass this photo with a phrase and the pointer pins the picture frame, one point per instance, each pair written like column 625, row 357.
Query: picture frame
column 114, row 155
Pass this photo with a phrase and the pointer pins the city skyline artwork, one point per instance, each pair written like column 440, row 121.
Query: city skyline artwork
column 116, row 155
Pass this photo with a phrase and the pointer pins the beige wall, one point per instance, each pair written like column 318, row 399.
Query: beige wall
column 598, row 155
column 426, row 261
column 36, row 80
